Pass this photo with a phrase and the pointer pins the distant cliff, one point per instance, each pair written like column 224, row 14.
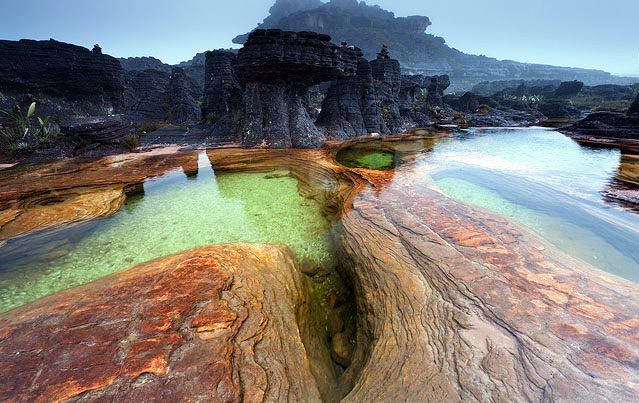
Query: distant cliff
column 368, row 27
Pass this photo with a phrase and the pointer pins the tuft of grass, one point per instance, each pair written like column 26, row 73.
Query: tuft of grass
column 131, row 142
column 20, row 133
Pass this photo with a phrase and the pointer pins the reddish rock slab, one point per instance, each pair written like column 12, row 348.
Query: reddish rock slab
column 204, row 325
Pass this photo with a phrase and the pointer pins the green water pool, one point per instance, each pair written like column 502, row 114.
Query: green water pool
column 175, row 213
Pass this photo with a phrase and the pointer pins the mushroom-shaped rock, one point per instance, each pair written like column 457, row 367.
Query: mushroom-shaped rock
column 277, row 68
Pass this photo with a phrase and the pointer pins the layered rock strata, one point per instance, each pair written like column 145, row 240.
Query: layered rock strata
column 454, row 303
column 277, row 68
column 202, row 325
column 65, row 79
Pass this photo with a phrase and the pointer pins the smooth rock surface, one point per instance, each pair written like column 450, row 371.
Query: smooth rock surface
column 204, row 325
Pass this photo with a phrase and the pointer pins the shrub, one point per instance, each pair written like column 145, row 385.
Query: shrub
column 131, row 142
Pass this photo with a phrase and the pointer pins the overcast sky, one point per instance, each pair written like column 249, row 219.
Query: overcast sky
column 601, row 34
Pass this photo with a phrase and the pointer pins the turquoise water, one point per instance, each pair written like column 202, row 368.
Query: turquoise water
column 174, row 213
column 547, row 182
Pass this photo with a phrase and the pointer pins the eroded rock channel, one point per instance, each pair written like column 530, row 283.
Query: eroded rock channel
column 420, row 297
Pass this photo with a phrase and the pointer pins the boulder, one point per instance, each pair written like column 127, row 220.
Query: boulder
column 99, row 129
column 557, row 109
column 568, row 89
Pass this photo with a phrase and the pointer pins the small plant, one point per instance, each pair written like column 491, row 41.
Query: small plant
column 131, row 142
column 21, row 134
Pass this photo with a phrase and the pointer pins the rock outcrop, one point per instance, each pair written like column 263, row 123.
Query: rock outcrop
column 97, row 129
column 181, row 99
column 351, row 107
column 634, row 108
column 144, row 63
column 145, row 96
column 65, row 79
column 436, row 87
column 276, row 69
column 388, row 81
column 207, row 324
column 223, row 102
column 368, row 26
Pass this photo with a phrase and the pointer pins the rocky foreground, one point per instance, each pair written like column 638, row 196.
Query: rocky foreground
column 453, row 304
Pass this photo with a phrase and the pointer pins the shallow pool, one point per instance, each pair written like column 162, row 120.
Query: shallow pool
column 173, row 213
column 547, row 182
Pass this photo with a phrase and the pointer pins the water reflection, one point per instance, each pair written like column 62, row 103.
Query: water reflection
column 165, row 215
column 547, row 182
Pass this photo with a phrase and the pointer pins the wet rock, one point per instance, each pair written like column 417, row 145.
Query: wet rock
column 137, row 336
column 341, row 349
column 65, row 79
column 607, row 124
column 277, row 68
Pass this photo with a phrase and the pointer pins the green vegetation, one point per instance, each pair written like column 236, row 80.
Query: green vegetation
column 131, row 142
column 21, row 133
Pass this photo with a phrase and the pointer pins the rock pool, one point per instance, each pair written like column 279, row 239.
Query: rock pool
column 175, row 212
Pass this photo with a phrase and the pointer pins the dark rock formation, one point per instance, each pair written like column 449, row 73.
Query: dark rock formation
column 634, row 108
column 411, row 89
column 277, row 68
column 65, row 79
column 488, row 88
column 418, row 52
column 181, row 99
column 144, row 63
column 145, row 96
column 568, row 89
column 105, row 130
column 556, row 109
column 351, row 107
column 436, row 87
column 222, row 90
column 388, row 81
column 608, row 124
